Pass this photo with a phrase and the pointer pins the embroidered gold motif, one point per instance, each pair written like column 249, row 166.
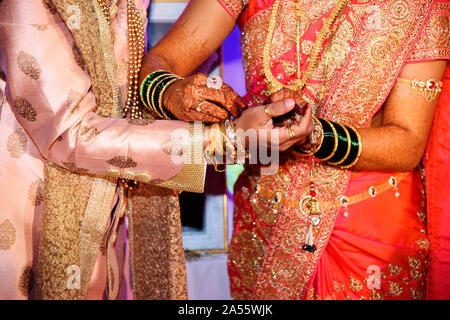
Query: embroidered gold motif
column 354, row 284
column 29, row 65
column 434, row 41
column 88, row 134
column 122, row 162
column 26, row 282
column 423, row 243
column 40, row 27
column 140, row 122
column 414, row 268
column 7, row 235
column 395, row 289
column 36, row 192
column 25, row 109
column 17, row 143
column 422, row 215
column 375, row 295
column 394, row 270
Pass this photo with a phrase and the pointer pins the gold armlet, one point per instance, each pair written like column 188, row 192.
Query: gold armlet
column 429, row 89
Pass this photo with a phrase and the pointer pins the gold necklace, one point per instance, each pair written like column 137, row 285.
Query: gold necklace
column 136, row 48
column 273, row 84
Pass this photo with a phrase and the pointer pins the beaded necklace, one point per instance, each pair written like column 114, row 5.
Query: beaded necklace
column 136, row 45
column 309, row 205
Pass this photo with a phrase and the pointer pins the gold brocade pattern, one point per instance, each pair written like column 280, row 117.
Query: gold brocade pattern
column 157, row 260
column 364, row 64
column 235, row 7
column 191, row 178
column 434, row 42
column 59, row 249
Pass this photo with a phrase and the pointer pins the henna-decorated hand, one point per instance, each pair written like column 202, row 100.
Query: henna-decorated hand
column 190, row 99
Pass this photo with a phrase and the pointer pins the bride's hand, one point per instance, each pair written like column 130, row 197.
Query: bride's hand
column 257, row 118
column 190, row 100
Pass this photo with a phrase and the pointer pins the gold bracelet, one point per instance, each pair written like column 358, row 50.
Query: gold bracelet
column 335, row 140
column 317, row 133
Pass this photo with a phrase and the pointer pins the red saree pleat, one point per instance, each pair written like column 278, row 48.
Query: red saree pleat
column 383, row 239
column 438, row 198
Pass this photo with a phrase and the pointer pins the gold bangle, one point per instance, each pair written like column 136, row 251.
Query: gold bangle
column 335, row 141
column 349, row 145
column 359, row 150
column 317, row 146
column 161, row 107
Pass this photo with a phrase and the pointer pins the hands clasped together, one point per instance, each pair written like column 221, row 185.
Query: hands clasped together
column 200, row 98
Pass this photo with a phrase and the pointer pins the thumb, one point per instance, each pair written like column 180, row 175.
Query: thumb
column 281, row 107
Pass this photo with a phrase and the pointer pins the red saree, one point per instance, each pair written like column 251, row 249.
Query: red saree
column 378, row 247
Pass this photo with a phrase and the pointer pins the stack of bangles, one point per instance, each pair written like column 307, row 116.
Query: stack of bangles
column 152, row 90
column 225, row 143
column 334, row 143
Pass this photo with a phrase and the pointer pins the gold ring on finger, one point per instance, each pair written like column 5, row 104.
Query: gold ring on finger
column 291, row 133
column 289, row 123
column 199, row 109
column 267, row 111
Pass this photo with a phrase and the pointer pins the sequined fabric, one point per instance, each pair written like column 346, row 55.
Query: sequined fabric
column 266, row 260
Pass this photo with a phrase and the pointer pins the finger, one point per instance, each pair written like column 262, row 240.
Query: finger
column 226, row 97
column 210, row 109
column 285, row 93
column 300, row 130
column 203, row 117
column 281, row 107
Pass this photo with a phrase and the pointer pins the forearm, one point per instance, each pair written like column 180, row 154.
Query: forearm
column 389, row 148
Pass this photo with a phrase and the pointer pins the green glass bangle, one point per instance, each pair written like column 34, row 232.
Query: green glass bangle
column 329, row 143
column 146, row 83
column 151, row 92
column 343, row 145
column 355, row 149
column 159, row 88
